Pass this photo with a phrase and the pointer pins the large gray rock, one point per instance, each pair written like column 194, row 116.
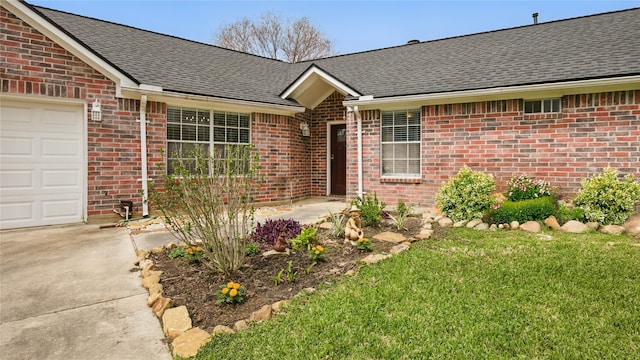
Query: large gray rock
column 632, row 226
column 612, row 229
column 573, row 226
column 530, row 226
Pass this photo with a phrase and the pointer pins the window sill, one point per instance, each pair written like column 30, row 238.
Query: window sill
column 400, row 180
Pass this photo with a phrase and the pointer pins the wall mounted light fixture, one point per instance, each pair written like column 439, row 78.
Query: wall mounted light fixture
column 304, row 128
column 96, row 112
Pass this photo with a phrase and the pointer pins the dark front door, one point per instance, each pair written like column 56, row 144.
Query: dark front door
column 338, row 153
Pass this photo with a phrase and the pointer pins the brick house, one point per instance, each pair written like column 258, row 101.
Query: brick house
column 558, row 101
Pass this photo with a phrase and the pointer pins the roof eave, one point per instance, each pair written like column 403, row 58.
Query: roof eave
column 535, row 91
column 314, row 85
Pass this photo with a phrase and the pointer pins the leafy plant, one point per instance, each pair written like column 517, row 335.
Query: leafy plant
column 308, row 269
column 607, row 200
column 252, row 249
column 267, row 233
column 467, row 195
column 209, row 197
column 317, row 253
column 277, row 279
column 191, row 253
column 338, row 222
column 370, row 209
column 521, row 211
column 232, row 293
column 564, row 213
column 525, row 188
column 364, row 244
column 403, row 212
column 306, row 236
column 291, row 275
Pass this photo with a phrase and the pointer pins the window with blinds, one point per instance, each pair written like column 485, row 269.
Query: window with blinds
column 192, row 131
column 400, row 143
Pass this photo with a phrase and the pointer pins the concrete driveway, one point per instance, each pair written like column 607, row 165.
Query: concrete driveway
column 66, row 292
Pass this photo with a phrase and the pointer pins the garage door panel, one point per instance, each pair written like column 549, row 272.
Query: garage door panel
column 41, row 164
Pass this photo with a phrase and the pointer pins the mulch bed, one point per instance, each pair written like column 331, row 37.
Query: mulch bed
column 195, row 285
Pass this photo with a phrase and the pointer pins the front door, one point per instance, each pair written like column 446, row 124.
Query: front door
column 338, row 154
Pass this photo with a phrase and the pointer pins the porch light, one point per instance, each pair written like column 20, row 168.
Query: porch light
column 96, row 112
column 304, row 128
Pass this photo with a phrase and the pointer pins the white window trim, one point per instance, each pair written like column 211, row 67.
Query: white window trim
column 401, row 176
column 541, row 101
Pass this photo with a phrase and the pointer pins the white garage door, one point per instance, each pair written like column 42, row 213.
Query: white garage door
column 41, row 164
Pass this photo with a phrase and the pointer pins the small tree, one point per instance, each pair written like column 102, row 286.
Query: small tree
column 293, row 41
column 209, row 198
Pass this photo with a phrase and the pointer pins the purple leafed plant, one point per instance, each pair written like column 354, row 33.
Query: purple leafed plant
column 266, row 234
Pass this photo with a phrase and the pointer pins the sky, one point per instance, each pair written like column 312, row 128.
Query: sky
column 352, row 26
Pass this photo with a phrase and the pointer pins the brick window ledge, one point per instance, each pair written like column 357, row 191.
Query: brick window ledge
column 394, row 180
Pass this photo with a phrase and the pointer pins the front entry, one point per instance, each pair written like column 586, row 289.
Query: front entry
column 338, row 156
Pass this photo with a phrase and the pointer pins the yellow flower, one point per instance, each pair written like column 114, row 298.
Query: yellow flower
column 317, row 252
column 319, row 248
column 313, row 248
column 225, row 291
column 230, row 285
column 233, row 292
column 198, row 248
column 236, row 286
column 189, row 251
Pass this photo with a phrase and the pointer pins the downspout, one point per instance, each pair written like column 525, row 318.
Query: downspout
column 143, row 155
column 359, row 133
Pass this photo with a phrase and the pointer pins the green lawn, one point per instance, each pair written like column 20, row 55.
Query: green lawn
column 467, row 294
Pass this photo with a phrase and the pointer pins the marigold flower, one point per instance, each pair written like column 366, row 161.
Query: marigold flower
column 236, row 286
column 225, row 291
column 233, row 292
column 319, row 248
column 230, row 285
column 317, row 252
column 198, row 248
column 314, row 248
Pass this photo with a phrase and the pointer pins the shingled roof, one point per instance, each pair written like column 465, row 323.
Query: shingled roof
column 591, row 47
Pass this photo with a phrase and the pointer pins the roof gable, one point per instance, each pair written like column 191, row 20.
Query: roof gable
column 314, row 85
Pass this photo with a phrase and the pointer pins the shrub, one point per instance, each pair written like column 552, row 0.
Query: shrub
column 370, row 209
column 338, row 222
column 521, row 211
column 524, row 188
column 403, row 212
column 267, row 234
column 466, row 195
column 564, row 213
column 252, row 249
column 607, row 200
column 304, row 239
column 209, row 198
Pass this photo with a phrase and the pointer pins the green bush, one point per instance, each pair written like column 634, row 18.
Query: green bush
column 370, row 209
column 525, row 188
column 565, row 213
column 466, row 195
column 521, row 211
column 306, row 237
column 607, row 200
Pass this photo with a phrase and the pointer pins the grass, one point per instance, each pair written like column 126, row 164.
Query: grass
column 466, row 295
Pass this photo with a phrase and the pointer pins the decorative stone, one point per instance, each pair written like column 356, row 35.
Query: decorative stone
column 573, row 226
column 325, row 225
column 279, row 305
column 493, row 227
column 612, row 229
column 222, row 329
column 152, row 299
column 241, row 325
column 473, row 223
column 176, row 321
column 307, row 291
column 139, row 259
column 271, row 253
column 424, row 234
column 374, row 258
column 398, row 249
column 160, row 305
column 390, row 237
column 144, row 263
column 158, row 250
column 150, row 280
column 263, row 314
column 437, row 218
column 530, row 226
column 188, row 344
column 514, row 225
column 481, row 226
column 148, row 270
column 350, row 272
column 155, row 289
column 592, row 225
column 632, row 225
column 501, row 226
column 445, row 222
column 459, row 224
column 427, row 226
column 552, row 222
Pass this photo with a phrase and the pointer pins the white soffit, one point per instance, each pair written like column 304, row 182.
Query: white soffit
column 313, row 86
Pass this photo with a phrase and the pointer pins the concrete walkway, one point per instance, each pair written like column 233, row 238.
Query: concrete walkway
column 66, row 292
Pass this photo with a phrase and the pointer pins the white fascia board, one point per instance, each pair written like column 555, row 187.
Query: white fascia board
column 326, row 77
column 68, row 43
column 156, row 93
column 526, row 91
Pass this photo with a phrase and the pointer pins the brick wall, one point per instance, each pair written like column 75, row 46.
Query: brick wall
column 592, row 132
